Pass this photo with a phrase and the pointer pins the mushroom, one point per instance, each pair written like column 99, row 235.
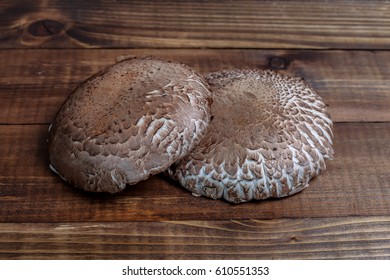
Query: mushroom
column 269, row 136
column 127, row 122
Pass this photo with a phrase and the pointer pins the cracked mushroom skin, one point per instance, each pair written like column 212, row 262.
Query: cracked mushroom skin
column 269, row 136
column 127, row 122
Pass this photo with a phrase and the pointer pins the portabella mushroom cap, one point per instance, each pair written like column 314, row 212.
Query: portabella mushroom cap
column 269, row 135
column 129, row 121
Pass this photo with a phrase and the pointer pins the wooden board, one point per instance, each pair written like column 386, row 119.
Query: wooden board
column 195, row 24
column 357, row 182
column 354, row 84
column 341, row 48
column 328, row 238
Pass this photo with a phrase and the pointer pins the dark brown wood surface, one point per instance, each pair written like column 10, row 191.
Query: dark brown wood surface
column 195, row 24
column 48, row 47
column 327, row 238
column 355, row 183
column 354, row 84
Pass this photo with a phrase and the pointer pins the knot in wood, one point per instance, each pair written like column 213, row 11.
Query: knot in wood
column 43, row 28
column 278, row 63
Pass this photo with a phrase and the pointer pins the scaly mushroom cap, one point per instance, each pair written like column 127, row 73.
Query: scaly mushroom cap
column 269, row 135
column 129, row 121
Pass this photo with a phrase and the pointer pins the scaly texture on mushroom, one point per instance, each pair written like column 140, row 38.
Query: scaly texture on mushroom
column 270, row 134
column 129, row 121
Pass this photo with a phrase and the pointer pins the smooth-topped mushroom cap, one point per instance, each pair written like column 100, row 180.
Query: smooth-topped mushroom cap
column 269, row 135
column 129, row 121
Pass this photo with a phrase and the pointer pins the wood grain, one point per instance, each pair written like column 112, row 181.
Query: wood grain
column 354, row 84
column 356, row 182
column 341, row 48
column 195, row 24
column 328, row 238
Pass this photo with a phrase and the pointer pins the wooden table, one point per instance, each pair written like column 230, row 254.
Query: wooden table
column 341, row 48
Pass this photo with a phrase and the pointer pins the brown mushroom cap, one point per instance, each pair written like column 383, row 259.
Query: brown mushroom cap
column 129, row 121
column 268, row 137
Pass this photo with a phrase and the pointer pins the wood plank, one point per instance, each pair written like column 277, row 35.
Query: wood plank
column 355, row 84
column 327, row 238
column 356, row 182
column 195, row 24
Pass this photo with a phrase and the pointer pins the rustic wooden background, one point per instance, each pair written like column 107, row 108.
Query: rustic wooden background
column 341, row 48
